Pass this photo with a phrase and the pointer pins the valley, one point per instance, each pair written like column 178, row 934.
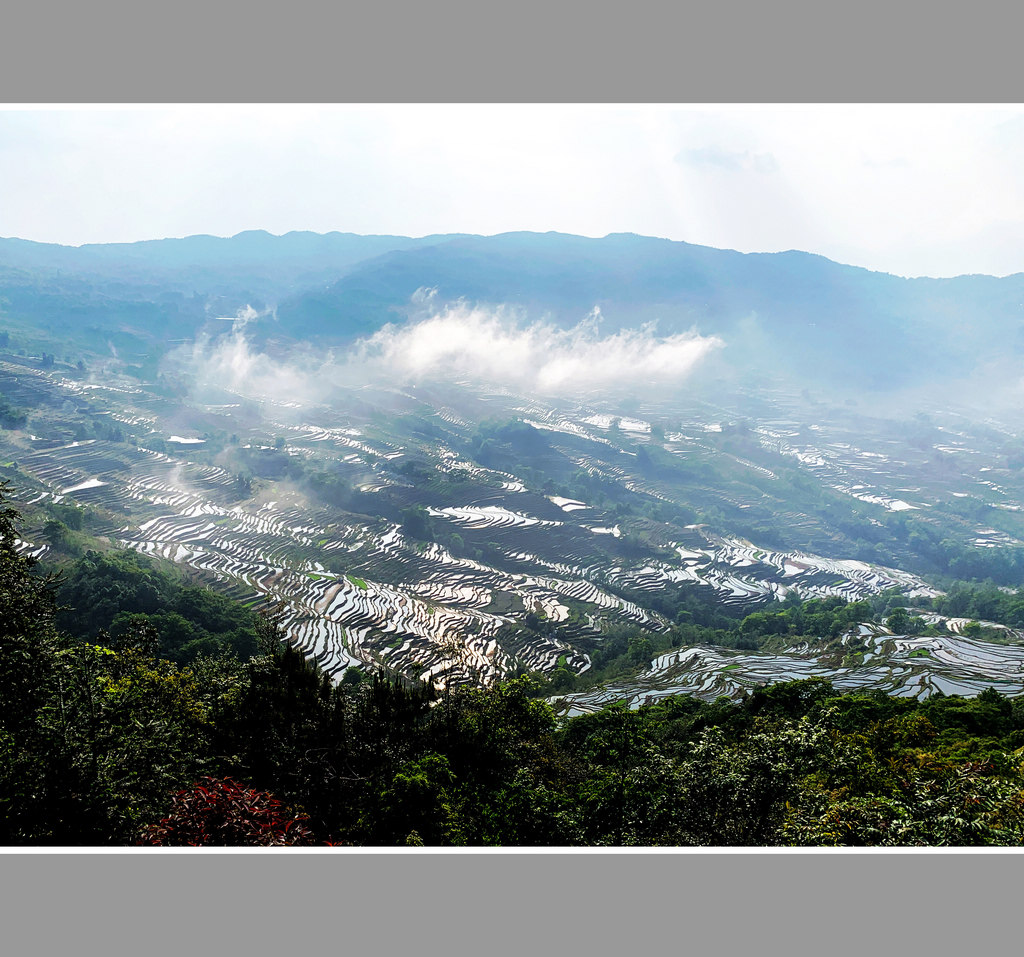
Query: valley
column 458, row 532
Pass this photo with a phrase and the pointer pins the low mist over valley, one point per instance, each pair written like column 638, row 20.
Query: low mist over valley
column 519, row 539
column 461, row 458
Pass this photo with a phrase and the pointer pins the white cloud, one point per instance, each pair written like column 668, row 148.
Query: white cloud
column 490, row 347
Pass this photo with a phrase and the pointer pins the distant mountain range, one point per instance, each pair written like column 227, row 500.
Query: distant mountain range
column 253, row 262
column 793, row 312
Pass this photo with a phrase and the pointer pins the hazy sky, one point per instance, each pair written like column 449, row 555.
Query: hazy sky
column 908, row 189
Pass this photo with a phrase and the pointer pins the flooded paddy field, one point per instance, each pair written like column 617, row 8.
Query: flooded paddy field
column 457, row 534
column 873, row 659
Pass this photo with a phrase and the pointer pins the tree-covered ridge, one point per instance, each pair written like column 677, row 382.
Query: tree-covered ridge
column 115, row 745
column 121, row 592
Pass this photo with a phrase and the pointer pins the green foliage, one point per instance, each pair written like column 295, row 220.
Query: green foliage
column 11, row 417
column 93, row 738
column 897, row 622
column 420, row 805
column 116, row 744
column 114, row 593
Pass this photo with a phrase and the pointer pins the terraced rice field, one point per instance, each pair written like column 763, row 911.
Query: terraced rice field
column 354, row 589
column 744, row 574
column 896, row 664
column 421, row 610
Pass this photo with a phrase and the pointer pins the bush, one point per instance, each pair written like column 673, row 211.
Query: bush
column 224, row 813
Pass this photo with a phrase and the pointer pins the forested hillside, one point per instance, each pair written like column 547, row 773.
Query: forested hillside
column 507, row 540
column 107, row 742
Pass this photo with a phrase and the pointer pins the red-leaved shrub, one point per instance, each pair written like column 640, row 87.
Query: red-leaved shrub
column 220, row 812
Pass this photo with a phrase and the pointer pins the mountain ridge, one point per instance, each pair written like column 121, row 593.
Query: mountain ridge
column 794, row 312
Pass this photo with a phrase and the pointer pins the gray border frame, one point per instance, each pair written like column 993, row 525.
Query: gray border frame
column 114, row 51
column 603, row 901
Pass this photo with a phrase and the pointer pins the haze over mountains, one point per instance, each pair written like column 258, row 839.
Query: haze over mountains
column 527, row 450
column 794, row 314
